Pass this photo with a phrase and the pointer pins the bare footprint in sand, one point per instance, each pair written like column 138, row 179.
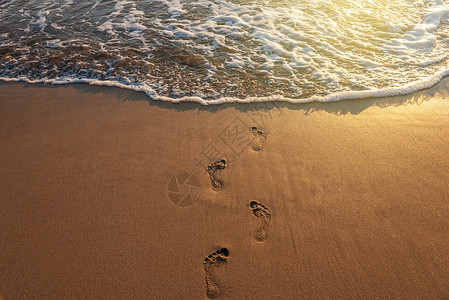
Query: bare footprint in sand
column 214, row 260
column 217, row 184
column 259, row 137
column 262, row 213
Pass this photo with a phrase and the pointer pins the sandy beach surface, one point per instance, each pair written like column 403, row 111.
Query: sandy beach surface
column 105, row 194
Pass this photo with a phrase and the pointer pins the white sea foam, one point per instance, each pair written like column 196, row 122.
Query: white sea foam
column 41, row 20
column 129, row 23
column 349, row 95
column 220, row 51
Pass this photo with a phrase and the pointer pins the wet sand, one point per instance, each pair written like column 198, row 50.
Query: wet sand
column 106, row 194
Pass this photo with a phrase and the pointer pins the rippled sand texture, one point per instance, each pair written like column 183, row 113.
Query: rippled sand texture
column 346, row 200
column 225, row 51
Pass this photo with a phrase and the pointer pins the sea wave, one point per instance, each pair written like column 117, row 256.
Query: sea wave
column 339, row 96
column 220, row 51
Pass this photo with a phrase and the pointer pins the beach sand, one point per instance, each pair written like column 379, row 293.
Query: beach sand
column 105, row 194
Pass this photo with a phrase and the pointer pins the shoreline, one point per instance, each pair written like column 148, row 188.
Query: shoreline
column 389, row 92
column 356, row 190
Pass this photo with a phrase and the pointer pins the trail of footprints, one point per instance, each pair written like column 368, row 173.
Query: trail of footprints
column 217, row 184
column 219, row 258
column 260, row 211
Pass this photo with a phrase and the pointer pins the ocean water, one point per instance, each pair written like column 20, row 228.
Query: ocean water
column 216, row 51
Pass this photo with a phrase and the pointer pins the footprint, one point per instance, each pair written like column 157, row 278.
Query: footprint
column 214, row 260
column 259, row 137
column 217, row 184
column 262, row 213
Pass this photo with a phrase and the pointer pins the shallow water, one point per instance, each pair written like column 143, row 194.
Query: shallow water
column 225, row 51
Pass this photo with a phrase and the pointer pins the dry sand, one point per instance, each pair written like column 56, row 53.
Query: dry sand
column 351, row 197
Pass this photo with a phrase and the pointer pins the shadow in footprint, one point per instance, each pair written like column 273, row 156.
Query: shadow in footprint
column 259, row 138
column 262, row 213
column 217, row 184
column 214, row 260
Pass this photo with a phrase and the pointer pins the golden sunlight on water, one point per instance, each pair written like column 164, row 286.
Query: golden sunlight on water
column 231, row 50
